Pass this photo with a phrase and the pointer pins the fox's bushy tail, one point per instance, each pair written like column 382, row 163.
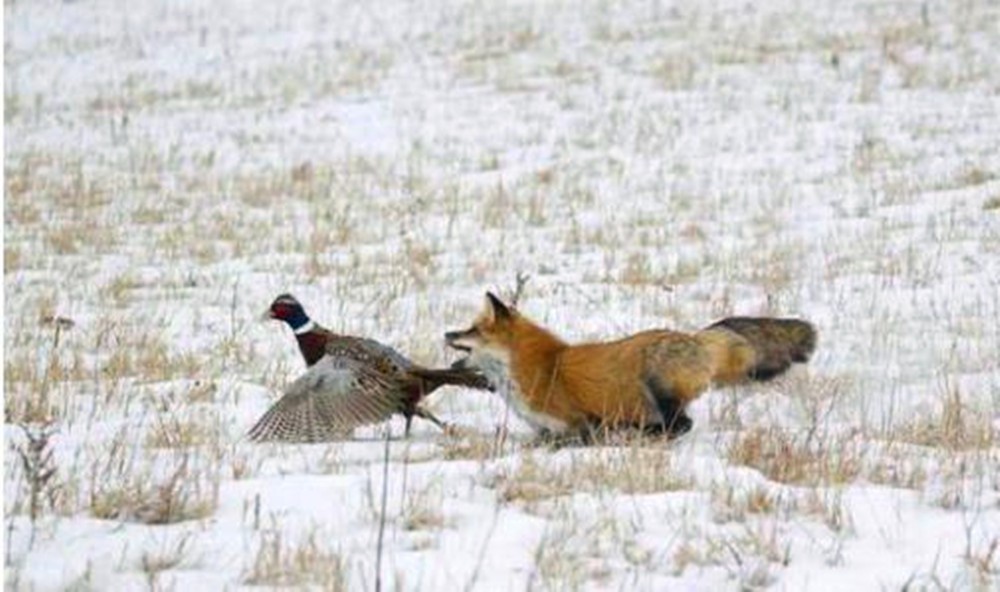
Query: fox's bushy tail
column 456, row 376
column 757, row 348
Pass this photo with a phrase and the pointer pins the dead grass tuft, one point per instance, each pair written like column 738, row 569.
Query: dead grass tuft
column 149, row 358
column 634, row 471
column 299, row 564
column 556, row 569
column 38, row 470
column 731, row 504
column 471, row 446
column 423, row 510
column 788, row 457
column 173, row 432
column 898, row 468
column 748, row 553
column 173, row 555
column 184, row 494
column 953, row 426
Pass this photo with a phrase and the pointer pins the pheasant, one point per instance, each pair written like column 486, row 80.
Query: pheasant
column 350, row 381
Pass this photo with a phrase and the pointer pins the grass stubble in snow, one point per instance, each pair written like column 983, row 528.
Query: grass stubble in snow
column 171, row 167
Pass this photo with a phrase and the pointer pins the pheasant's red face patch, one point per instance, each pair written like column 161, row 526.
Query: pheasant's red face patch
column 286, row 308
column 281, row 311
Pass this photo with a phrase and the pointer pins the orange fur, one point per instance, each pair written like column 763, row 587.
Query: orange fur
column 608, row 383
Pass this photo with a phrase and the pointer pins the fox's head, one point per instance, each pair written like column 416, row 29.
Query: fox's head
column 491, row 333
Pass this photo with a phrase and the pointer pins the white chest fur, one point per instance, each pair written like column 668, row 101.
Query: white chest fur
column 497, row 369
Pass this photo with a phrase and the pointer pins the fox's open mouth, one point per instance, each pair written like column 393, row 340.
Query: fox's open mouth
column 458, row 346
column 453, row 340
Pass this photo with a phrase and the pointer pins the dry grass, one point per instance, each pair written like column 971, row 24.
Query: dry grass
column 794, row 458
column 470, row 446
column 631, row 470
column 423, row 510
column 40, row 483
column 899, row 467
column 953, row 426
column 645, row 178
column 749, row 554
column 557, row 567
column 36, row 380
column 579, row 550
column 985, row 562
column 183, row 494
column 732, row 504
column 172, row 555
column 173, row 432
column 297, row 564
column 742, row 505
column 147, row 356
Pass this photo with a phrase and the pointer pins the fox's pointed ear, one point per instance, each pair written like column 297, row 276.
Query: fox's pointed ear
column 497, row 307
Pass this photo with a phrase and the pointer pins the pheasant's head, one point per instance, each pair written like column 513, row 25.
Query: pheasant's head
column 286, row 308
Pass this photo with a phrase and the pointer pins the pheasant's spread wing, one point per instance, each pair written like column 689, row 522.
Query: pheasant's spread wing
column 336, row 395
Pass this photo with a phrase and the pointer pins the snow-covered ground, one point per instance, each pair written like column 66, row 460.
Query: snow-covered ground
column 171, row 166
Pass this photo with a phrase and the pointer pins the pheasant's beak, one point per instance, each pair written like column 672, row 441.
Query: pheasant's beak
column 267, row 316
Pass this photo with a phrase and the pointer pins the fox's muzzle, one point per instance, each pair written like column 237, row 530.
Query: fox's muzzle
column 454, row 338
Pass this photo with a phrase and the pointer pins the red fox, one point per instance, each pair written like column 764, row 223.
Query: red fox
column 645, row 380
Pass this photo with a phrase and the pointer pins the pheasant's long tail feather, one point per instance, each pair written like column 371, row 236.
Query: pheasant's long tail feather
column 434, row 378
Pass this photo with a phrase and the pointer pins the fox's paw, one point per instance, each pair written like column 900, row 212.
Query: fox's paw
column 681, row 425
column 556, row 441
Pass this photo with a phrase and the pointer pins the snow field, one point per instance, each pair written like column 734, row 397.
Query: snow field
column 170, row 167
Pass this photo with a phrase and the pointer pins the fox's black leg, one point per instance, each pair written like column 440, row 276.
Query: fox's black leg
column 543, row 437
column 593, row 431
column 681, row 425
column 557, row 440
column 675, row 420
column 549, row 439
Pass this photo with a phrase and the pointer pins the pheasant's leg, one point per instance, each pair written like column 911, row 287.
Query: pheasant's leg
column 425, row 414
column 409, row 422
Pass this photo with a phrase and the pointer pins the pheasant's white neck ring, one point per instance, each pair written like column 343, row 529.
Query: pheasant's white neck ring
column 309, row 326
